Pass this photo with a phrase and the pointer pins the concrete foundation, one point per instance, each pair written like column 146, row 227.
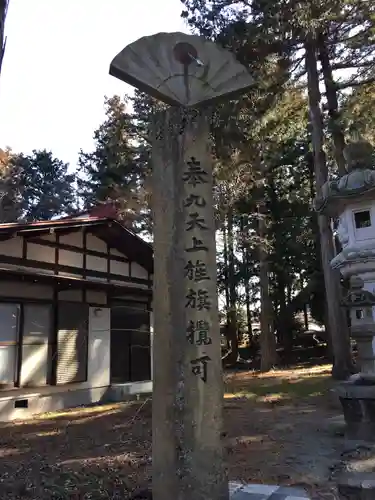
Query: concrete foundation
column 26, row 404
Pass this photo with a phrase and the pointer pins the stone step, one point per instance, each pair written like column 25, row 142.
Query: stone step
column 357, row 486
column 239, row 491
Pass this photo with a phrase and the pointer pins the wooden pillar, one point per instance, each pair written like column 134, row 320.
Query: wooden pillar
column 187, row 377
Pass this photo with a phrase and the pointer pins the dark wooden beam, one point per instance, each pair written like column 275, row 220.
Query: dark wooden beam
column 72, row 248
column 71, row 270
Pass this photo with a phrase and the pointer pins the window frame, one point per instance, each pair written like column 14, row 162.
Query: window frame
column 52, row 353
column 144, row 307
column 85, row 347
column 16, row 344
column 49, row 361
column 363, row 233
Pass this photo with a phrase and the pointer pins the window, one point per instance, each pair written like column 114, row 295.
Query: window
column 24, row 358
column 359, row 314
column 9, row 342
column 35, row 365
column 31, row 355
column 362, row 219
column 72, row 343
column 130, row 343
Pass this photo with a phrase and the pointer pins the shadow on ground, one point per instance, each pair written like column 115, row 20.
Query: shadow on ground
column 274, row 425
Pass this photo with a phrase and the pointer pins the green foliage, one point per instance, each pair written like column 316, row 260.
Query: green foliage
column 35, row 187
column 46, row 188
column 265, row 169
column 10, row 188
column 116, row 169
column 357, row 114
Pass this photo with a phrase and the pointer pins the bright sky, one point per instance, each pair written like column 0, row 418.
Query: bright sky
column 55, row 70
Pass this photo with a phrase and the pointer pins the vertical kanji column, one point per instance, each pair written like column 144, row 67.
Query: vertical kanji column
column 188, row 388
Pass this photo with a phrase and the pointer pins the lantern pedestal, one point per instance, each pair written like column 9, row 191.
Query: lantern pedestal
column 358, row 404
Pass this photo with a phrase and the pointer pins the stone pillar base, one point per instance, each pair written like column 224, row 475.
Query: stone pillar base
column 239, row 491
column 357, row 486
column 358, row 403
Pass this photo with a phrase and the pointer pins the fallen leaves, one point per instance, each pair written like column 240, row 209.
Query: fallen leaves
column 104, row 452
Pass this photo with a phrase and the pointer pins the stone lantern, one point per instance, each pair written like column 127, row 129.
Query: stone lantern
column 350, row 200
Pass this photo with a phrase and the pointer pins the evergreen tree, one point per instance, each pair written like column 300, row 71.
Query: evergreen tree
column 46, row 189
column 116, row 169
column 10, row 188
column 315, row 39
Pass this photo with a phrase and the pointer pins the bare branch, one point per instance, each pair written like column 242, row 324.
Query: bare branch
column 352, row 83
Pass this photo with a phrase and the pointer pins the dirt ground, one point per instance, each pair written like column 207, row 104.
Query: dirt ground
column 277, row 433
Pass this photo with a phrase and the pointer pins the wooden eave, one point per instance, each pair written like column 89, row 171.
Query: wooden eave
column 109, row 230
column 69, row 282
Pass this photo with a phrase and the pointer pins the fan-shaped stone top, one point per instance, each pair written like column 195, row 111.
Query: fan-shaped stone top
column 181, row 69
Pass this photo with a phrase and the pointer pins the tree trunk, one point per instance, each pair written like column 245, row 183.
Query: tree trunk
column 338, row 326
column 231, row 357
column 246, row 264
column 248, row 303
column 226, row 289
column 284, row 333
column 289, row 293
column 267, row 336
column 333, row 105
column 297, row 302
column 305, row 308
column 305, row 317
column 226, row 265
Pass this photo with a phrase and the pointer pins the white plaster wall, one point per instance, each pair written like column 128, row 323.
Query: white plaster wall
column 12, row 247
column 121, row 268
column 68, row 258
column 40, row 253
column 49, row 237
column 138, row 271
column 75, row 239
column 96, row 263
column 113, row 251
column 94, row 243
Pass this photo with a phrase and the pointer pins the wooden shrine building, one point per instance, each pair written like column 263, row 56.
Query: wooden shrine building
column 75, row 313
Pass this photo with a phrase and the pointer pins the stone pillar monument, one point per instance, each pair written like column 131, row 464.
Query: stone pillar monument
column 189, row 74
